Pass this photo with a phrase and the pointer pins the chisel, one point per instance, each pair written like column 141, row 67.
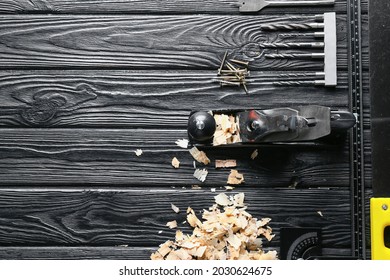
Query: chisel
column 250, row 6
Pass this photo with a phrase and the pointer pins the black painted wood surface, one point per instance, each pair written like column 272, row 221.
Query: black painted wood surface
column 84, row 84
column 153, row 42
column 150, row 6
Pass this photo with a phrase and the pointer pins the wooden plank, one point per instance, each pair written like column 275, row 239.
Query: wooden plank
column 150, row 6
column 151, row 42
column 106, row 156
column 147, row 99
column 134, row 216
column 104, row 253
column 82, row 253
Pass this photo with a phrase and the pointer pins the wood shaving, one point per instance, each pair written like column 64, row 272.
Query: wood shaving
column 223, row 200
column 320, row 213
column 201, row 174
column 175, row 162
column 138, row 152
column 172, row 224
column 175, row 208
column 227, row 131
column 238, row 200
column 254, row 154
column 182, row 143
column 229, row 188
column 213, row 189
column 199, row 156
column 227, row 232
column 196, row 187
column 235, row 178
column 225, row 163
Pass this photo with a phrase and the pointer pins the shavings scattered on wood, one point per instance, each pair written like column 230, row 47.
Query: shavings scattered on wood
column 235, row 178
column 254, row 154
column 182, row 143
column 226, row 232
column 175, row 162
column 175, row 208
column 225, row 163
column 229, row 188
column 199, row 156
column 138, row 152
column 201, row 174
column 227, row 131
column 320, row 213
column 172, row 224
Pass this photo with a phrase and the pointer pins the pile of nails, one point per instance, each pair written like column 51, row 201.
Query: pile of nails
column 233, row 72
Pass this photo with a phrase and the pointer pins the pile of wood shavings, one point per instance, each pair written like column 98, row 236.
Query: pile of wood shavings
column 227, row 130
column 229, row 233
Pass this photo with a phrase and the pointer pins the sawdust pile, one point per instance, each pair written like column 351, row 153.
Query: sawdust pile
column 227, row 130
column 228, row 232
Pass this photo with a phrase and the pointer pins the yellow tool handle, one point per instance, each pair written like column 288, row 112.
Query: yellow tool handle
column 380, row 219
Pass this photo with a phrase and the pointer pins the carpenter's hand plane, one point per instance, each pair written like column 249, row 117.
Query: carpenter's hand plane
column 303, row 123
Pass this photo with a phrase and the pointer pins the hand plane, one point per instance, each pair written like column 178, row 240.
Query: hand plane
column 303, row 123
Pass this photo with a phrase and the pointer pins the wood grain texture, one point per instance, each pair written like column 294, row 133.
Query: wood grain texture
column 144, row 99
column 104, row 253
column 135, row 216
column 152, row 42
column 87, row 253
column 106, row 156
column 150, row 6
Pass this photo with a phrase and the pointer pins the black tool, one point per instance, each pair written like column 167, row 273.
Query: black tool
column 303, row 123
column 300, row 243
column 250, row 6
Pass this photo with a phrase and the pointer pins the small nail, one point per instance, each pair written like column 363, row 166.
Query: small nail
column 230, row 83
column 246, row 63
column 222, row 63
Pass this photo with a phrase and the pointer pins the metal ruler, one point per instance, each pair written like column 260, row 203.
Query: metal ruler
column 356, row 143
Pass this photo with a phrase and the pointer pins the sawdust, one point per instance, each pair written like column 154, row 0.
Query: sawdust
column 175, row 162
column 182, row 143
column 225, row 163
column 201, row 174
column 172, row 224
column 227, row 232
column 138, row 152
column 227, row 130
column 175, row 208
column 235, row 178
column 199, row 156
column 254, row 154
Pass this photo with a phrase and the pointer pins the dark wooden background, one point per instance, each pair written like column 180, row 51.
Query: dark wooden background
column 85, row 83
